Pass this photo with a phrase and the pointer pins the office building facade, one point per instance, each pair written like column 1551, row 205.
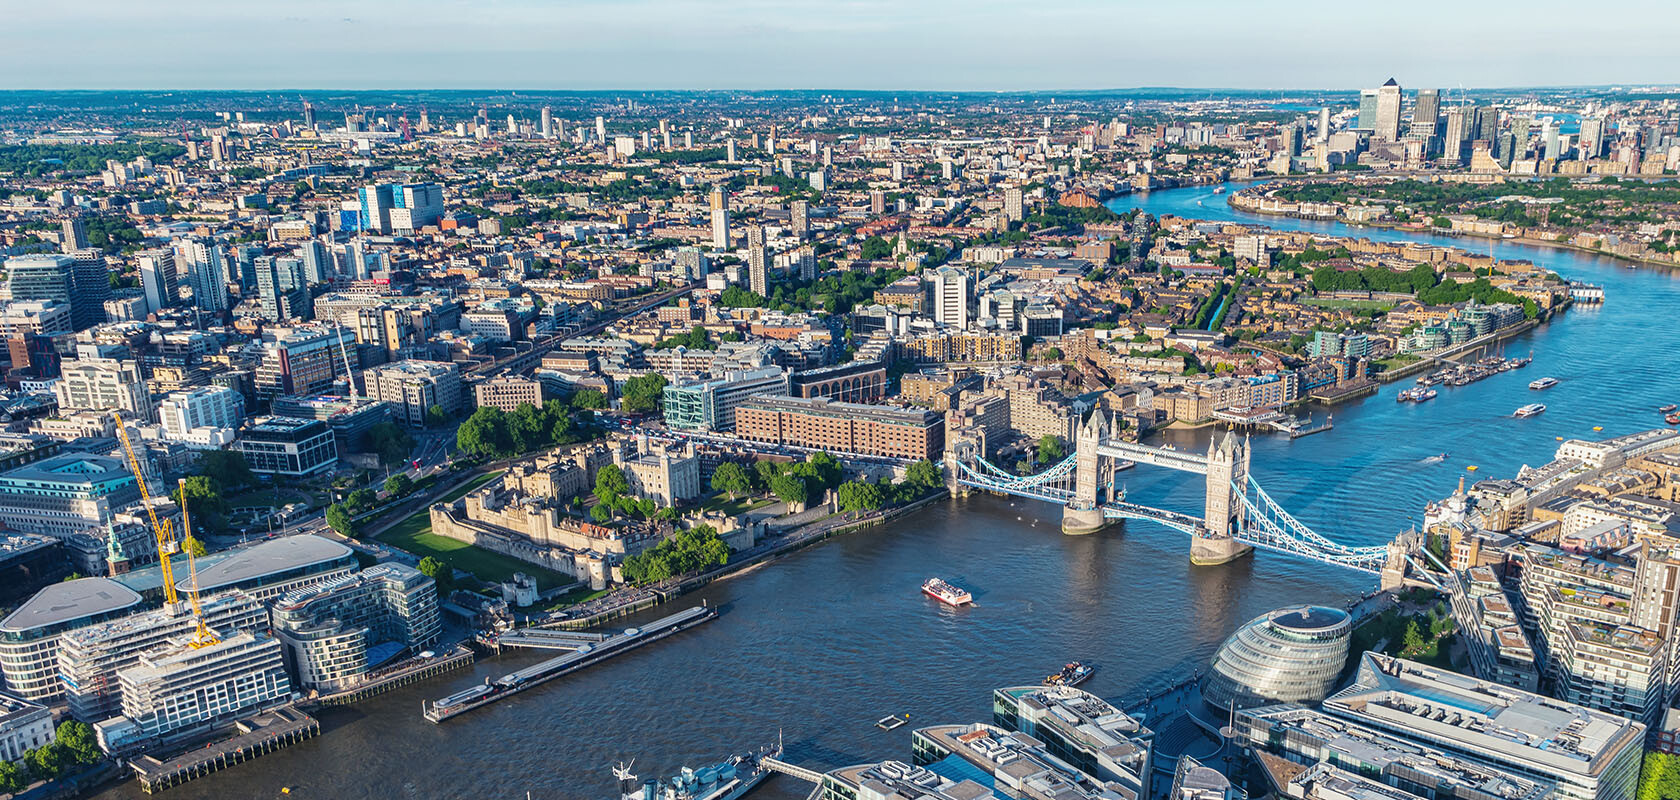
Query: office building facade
column 335, row 631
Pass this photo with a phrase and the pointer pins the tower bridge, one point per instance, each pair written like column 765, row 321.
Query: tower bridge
column 1237, row 513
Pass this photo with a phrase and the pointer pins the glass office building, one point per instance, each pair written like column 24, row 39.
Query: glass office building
column 1291, row 655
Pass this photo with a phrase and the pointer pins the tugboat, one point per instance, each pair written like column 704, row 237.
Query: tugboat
column 1072, row 674
column 729, row 779
column 946, row 593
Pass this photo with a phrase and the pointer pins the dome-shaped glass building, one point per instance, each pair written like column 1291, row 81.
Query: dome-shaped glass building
column 1291, row 655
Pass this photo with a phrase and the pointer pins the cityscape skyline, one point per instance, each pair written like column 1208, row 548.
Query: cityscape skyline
column 860, row 44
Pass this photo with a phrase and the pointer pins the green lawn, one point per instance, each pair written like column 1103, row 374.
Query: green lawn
column 580, row 594
column 739, row 505
column 1396, row 361
column 415, row 535
column 269, row 498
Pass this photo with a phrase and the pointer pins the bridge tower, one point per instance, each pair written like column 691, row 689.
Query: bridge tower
column 1223, row 516
column 1083, row 513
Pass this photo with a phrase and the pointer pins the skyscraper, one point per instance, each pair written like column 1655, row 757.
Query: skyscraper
column 951, row 296
column 207, row 273
column 1324, row 124
column 1014, row 205
column 601, row 130
column 73, row 235
column 317, row 261
column 1426, row 115
column 799, row 218
column 1388, row 112
column 1591, row 143
column 1367, row 110
column 281, row 285
column 90, row 283
column 158, row 279
column 720, row 218
column 1457, row 136
column 547, row 122
column 308, row 114
column 758, row 262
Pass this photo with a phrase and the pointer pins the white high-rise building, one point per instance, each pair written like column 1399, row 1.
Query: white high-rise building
column 158, row 278
column 207, row 273
column 720, row 218
column 952, row 293
column 547, row 123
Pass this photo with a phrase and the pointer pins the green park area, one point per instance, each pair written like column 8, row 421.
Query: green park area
column 1420, row 629
column 415, row 535
column 734, row 505
column 1338, row 302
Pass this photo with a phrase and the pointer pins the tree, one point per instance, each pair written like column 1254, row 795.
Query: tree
column 436, row 417
column 361, row 499
column 339, row 519
column 1050, row 449
column 924, row 474
column 485, row 433
column 79, row 739
column 610, row 483
column 13, row 779
column 228, row 467
column 600, row 512
column 589, row 398
column 202, row 497
column 791, row 489
column 442, row 574
column 48, row 762
column 1412, row 642
column 764, row 472
column 528, row 428
column 390, row 442
column 828, row 469
column 643, row 393
column 732, row 478
column 860, row 496
column 399, row 485
column 193, row 546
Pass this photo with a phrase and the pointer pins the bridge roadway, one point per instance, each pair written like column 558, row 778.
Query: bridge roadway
column 805, row 774
column 1155, row 456
column 545, row 639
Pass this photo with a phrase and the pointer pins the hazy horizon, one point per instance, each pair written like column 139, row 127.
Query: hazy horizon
column 849, row 45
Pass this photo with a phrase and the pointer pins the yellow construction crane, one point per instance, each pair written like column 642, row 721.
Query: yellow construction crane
column 168, row 546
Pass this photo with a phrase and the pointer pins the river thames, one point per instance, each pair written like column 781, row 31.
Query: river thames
column 819, row 645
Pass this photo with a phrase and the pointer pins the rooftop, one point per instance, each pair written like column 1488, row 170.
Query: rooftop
column 70, row 600
column 823, row 406
column 1483, row 717
column 81, row 468
column 267, row 558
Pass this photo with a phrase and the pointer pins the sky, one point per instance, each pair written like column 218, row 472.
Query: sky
column 958, row 45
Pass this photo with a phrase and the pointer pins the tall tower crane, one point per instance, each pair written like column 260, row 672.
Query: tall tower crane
column 167, row 546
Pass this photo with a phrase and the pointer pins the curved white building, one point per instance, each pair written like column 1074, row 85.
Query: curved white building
column 1291, row 655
